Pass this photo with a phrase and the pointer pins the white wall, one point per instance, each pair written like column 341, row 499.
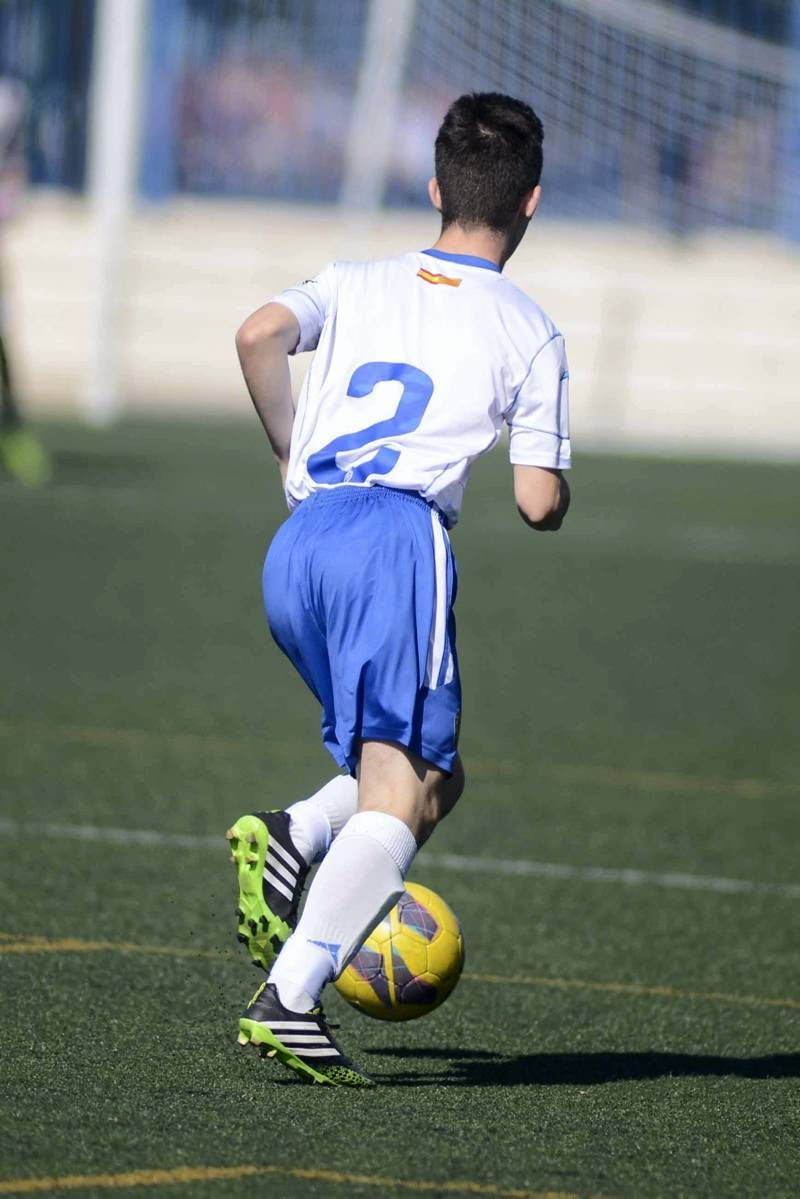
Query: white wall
column 693, row 347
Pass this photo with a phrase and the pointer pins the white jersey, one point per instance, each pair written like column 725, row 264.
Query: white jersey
column 420, row 359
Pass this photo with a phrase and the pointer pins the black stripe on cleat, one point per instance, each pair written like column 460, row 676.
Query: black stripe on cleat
column 301, row 1041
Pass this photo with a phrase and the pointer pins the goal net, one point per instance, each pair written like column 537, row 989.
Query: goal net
column 653, row 112
column 684, row 113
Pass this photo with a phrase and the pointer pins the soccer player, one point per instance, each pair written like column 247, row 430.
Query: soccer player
column 420, row 361
column 21, row 454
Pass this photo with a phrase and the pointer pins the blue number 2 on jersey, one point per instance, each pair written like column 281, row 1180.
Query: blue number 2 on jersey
column 417, row 391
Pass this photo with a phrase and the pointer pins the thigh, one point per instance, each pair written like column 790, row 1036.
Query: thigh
column 393, row 779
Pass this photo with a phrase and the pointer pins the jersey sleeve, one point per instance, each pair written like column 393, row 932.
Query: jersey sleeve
column 311, row 302
column 538, row 418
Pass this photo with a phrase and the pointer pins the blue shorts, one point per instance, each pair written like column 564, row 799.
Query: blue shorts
column 359, row 585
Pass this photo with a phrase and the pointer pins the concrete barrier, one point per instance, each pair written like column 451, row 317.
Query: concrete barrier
column 687, row 346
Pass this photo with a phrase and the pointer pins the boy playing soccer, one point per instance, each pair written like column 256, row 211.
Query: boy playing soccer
column 420, row 359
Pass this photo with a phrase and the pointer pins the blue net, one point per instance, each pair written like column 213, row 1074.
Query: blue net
column 683, row 114
column 47, row 48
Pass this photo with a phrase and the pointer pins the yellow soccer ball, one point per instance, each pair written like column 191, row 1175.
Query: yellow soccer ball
column 410, row 963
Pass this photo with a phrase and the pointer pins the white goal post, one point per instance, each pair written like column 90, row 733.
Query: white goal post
column 112, row 167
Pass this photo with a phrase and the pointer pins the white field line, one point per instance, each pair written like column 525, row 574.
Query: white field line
column 514, row 867
column 601, row 874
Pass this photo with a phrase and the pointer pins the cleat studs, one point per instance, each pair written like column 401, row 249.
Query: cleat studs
column 250, row 858
column 241, row 938
column 243, row 1039
column 239, row 913
column 272, row 1053
column 264, row 922
column 251, row 924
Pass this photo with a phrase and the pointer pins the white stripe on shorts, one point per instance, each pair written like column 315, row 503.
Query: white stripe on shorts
column 439, row 626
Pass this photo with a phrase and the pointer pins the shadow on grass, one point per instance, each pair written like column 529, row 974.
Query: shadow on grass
column 100, row 469
column 480, row 1068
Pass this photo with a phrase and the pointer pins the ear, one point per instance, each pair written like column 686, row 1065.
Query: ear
column 531, row 202
column 435, row 194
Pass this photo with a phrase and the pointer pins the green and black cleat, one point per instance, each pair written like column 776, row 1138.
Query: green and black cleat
column 24, row 458
column 271, row 875
column 301, row 1041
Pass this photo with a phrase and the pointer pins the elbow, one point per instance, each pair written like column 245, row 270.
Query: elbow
column 544, row 510
column 268, row 329
column 540, row 517
column 248, row 338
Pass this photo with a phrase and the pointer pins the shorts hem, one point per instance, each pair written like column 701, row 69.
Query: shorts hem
column 341, row 759
column 434, row 757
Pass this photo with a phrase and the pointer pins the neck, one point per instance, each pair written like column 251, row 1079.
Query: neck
column 480, row 243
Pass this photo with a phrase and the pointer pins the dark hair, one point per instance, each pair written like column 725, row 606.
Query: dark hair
column 488, row 156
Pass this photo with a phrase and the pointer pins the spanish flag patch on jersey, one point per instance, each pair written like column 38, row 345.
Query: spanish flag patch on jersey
column 431, row 277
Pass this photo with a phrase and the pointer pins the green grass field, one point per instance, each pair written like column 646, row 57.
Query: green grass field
column 631, row 705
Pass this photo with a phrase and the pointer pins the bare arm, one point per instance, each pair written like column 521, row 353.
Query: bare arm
column 264, row 343
column 542, row 497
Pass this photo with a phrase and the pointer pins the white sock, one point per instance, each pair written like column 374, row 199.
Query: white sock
column 338, row 799
column 360, row 879
column 317, row 820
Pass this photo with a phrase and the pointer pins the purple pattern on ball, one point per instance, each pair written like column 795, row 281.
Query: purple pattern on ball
column 407, row 987
column 412, row 914
column 368, row 964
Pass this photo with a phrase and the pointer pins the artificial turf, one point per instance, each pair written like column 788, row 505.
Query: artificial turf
column 631, row 703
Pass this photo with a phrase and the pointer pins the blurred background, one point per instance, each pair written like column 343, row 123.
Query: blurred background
column 188, row 158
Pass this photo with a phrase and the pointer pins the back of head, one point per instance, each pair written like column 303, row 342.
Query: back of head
column 488, row 157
